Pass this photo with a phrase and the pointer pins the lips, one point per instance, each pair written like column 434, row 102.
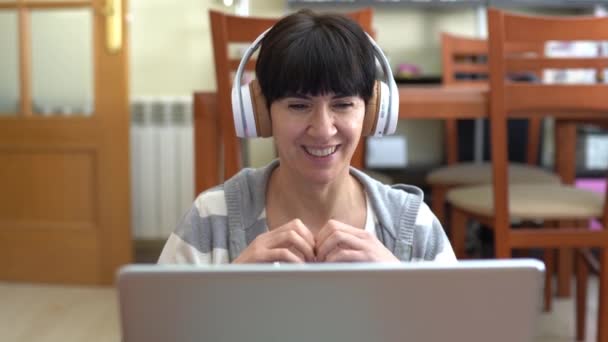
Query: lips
column 321, row 152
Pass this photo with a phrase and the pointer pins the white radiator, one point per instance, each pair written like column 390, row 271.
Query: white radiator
column 162, row 164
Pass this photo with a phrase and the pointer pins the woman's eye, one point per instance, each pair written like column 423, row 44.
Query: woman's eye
column 343, row 105
column 297, row 106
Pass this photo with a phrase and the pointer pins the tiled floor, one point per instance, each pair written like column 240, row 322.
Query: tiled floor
column 559, row 324
column 32, row 313
column 54, row 313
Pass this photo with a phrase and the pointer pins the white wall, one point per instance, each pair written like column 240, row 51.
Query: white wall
column 171, row 48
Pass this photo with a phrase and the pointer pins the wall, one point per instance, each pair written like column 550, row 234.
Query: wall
column 171, row 48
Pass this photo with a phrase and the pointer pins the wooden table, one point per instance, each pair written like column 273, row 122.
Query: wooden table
column 442, row 102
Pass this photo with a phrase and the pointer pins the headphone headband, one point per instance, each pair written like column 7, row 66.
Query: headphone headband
column 236, row 85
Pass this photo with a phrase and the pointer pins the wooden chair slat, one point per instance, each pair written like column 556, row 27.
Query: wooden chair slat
column 527, row 64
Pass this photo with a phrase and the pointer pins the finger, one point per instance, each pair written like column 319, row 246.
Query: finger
column 298, row 226
column 340, row 239
column 299, row 254
column 332, row 226
column 291, row 238
column 282, row 254
column 304, row 232
column 345, row 255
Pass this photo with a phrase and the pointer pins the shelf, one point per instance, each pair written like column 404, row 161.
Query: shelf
column 573, row 4
column 453, row 3
column 392, row 3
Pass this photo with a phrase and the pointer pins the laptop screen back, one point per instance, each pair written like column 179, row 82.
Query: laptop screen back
column 469, row 301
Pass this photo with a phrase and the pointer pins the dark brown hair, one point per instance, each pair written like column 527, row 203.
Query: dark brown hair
column 313, row 54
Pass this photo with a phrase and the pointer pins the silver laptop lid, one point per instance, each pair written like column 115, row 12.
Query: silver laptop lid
column 467, row 301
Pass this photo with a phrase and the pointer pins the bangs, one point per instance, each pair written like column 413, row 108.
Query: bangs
column 320, row 65
column 307, row 55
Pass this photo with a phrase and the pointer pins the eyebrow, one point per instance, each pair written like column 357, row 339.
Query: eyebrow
column 299, row 96
column 340, row 96
column 308, row 97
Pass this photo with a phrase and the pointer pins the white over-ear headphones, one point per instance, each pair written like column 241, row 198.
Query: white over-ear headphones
column 252, row 118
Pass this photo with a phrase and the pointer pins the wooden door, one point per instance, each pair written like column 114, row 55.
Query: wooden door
column 64, row 142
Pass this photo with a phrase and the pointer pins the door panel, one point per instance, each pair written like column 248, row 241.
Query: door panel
column 32, row 255
column 52, row 186
column 64, row 204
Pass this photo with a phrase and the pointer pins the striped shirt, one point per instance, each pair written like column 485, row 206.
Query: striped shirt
column 224, row 220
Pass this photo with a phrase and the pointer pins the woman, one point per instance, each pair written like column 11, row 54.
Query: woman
column 317, row 74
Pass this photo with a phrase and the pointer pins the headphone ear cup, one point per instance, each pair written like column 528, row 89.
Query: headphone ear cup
column 376, row 111
column 371, row 111
column 263, row 123
column 251, row 118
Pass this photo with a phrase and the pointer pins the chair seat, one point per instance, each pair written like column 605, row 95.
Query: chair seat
column 481, row 173
column 531, row 201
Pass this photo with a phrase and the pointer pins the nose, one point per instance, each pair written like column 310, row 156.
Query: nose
column 322, row 123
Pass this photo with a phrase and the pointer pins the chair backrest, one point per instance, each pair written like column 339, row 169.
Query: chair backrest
column 465, row 63
column 578, row 102
column 229, row 29
column 464, row 60
column 206, row 141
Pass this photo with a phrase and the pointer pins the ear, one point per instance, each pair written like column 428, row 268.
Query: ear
column 372, row 109
column 261, row 113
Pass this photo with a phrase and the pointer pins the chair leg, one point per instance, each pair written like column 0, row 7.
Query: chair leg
column 582, row 273
column 564, row 272
column 565, row 267
column 438, row 203
column 458, row 229
column 602, row 319
column 549, row 267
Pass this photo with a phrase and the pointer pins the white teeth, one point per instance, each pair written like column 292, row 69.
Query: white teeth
column 321, row 152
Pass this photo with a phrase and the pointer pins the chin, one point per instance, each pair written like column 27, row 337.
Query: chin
column 322, row 177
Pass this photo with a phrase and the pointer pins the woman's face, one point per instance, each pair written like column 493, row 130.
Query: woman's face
column 316, row 136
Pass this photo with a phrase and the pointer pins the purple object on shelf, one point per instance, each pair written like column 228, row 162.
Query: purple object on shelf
column 595, row 185
column 408, row 70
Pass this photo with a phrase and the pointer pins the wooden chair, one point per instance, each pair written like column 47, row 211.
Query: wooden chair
column 230, row 29
column 465, row 65
column 564, row 209
column 206, row 141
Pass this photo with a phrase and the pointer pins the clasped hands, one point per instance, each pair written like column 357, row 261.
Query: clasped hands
column 335, row 242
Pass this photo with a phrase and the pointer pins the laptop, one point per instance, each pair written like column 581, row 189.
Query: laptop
column 474, row 301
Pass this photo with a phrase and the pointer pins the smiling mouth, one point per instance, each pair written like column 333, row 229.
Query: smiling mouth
column 321, row 152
